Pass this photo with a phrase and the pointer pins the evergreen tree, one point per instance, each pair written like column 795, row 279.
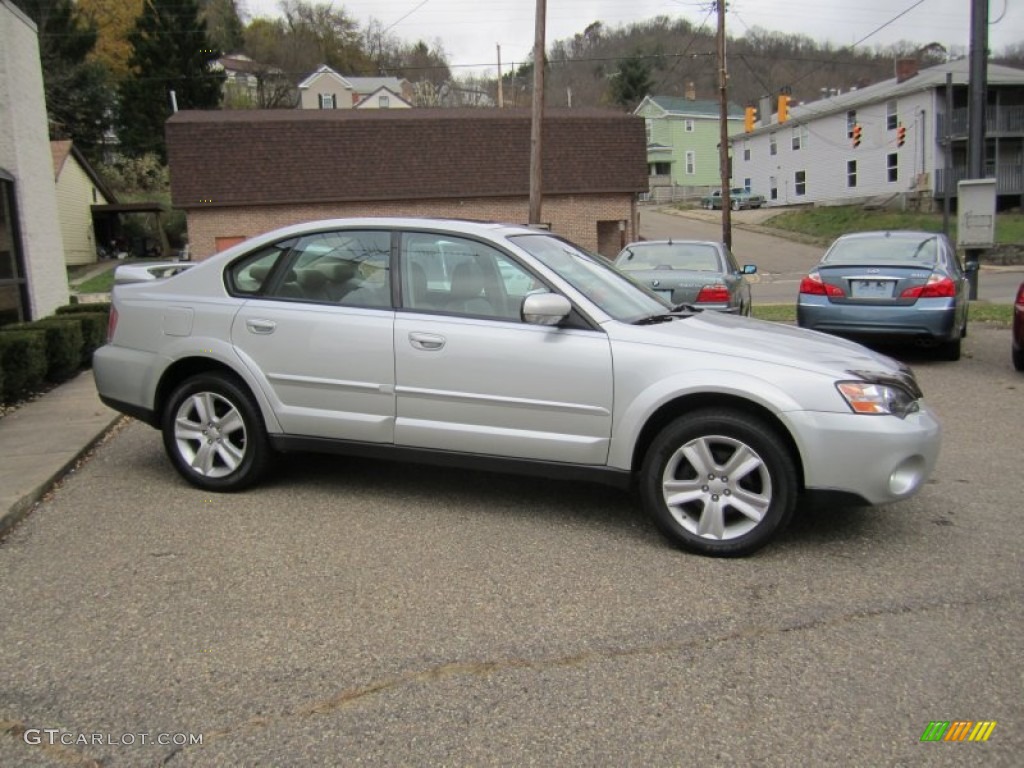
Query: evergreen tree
column 170, row 52
column 632, row 81
column 79, row 98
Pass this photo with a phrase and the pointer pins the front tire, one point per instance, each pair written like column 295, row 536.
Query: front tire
column 719, row 482
column 213, row 433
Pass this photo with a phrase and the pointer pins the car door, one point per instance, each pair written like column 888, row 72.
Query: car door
column 471, row 376
column 318, row 332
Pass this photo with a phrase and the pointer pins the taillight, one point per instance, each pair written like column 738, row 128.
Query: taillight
column 1020, row 296
column 937, row 287
column 713, row 294
column 112, row 324
column 813, row 285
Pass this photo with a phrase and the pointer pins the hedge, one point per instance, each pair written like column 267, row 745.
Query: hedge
column 94, row 330
column 89, row 308
column 63, row 344
column 22, row 363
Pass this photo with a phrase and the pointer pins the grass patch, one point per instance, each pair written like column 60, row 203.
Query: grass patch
column 979, row 312
column 101, row 283
column 830, row 222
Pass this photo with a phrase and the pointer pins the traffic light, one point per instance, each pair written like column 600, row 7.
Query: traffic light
column 784, row 100
column 855, row 134
column 901, row 135
column 749, row 118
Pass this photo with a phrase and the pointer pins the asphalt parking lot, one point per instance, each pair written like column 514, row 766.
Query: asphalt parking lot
column 356, row 613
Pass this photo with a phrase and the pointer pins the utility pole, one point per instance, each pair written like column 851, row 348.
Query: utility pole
column 976, row 87
column 501, row 94
column 723, row 134
column 537, row 123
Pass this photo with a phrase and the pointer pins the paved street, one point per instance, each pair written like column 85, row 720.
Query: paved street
column 781, row 261
column 355, row 613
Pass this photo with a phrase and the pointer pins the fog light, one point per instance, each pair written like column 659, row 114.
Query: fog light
column 907, row 476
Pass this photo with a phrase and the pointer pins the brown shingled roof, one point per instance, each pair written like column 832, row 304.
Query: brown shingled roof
column 266, row 157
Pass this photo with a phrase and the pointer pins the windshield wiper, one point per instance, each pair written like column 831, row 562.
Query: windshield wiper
column 691, row 308
column 682, row 311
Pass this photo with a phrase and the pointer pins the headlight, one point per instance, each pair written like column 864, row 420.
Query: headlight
column 877, row 399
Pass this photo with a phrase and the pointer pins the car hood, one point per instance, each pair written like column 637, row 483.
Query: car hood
column 761, row 341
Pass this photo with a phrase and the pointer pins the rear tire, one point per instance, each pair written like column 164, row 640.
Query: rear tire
column 950, row 350
column 719, row 482
column 214, row 434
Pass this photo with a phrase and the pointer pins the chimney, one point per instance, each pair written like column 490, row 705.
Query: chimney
column 691, row 91
column 905, row 69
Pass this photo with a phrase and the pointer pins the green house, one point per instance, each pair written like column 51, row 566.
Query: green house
column 682, row 140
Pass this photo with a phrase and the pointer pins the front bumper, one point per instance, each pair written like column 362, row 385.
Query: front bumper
column 880, row 459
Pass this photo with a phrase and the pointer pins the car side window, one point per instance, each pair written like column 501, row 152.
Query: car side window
column 250, row 274
column 350, row 268
column 452, row 275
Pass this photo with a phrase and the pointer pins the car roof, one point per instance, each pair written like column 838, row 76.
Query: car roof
column 904, row 233
column 673, row 241
column 465, row 226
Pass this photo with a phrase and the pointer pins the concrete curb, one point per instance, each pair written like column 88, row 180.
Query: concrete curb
column 42, row 441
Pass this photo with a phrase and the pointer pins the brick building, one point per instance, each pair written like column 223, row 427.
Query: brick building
column 239, row 174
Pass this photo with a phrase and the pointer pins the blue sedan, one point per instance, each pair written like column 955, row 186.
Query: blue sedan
column 889, row 285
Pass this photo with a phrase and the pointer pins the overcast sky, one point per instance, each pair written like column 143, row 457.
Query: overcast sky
column 470, row 30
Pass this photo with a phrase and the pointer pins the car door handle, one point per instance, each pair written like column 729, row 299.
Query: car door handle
column 261, row 326
column 428, row 342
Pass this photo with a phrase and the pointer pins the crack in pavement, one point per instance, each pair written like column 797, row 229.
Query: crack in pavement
column 354, row 696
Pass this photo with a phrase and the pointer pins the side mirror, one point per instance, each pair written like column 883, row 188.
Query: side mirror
column 749, row 269
column 545, row 308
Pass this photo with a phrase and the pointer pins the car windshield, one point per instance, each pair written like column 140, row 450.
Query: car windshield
column 696, row 257
column 884, row 249
column 600, row 282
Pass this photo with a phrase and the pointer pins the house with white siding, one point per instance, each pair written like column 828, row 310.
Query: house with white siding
column 33, row 279
column 327, row 89
column 814, row 157
column 79, row 188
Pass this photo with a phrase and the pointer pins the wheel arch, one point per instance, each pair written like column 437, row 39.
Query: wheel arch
column 680, row 406
column 187, row 367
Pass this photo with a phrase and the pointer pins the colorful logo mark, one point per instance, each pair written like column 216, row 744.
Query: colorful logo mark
column 958, row 730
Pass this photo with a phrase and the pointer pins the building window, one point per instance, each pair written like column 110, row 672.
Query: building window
column 773, row 148
column 773, row 188
column 659, row 169
column 747, row 184
column 891, row 168
column 327, row 101
column 383, row 102
column 851, row 173
column 892, row 118
column 13, row 288
column 800, row 183
column 851, row 120
column 649, row 129
column 688, row 126
column 746, row 151
column 799, row 136
column 691, row 162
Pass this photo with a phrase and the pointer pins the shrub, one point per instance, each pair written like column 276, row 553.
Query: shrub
column 94, row 333
column 63, row 344
column 89, row 308
column 22, row 363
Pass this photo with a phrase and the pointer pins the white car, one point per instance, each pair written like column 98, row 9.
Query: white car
column 507, row 348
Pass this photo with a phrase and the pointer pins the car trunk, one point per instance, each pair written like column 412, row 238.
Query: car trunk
column 874, row 284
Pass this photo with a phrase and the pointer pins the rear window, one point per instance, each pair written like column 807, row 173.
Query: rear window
column 696, row 257
column 884, row 250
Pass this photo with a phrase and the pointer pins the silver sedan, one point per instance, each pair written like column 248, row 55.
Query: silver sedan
column 698, row 273
column 505, row 348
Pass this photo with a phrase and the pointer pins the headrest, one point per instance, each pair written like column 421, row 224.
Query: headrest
column 310, row 279
column 259, row 272
column 338, row 271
